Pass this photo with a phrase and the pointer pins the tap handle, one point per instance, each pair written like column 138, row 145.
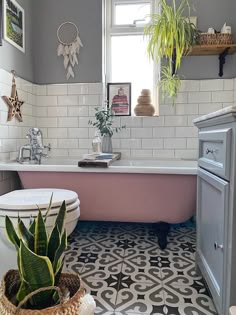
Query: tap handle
column 48, row 147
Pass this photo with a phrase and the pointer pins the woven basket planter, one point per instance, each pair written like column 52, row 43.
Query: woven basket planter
column 70, row 307
column 215, row 39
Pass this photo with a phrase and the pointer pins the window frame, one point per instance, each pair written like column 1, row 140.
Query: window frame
column 128, row 29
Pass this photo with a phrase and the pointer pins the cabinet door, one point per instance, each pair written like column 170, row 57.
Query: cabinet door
column 211, row 210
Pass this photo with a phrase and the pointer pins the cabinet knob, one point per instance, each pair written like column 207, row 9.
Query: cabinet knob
column 209, row 151
column 218, row 246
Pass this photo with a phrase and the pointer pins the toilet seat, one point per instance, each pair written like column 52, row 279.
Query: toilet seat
column 26, row 213
column 30, row 198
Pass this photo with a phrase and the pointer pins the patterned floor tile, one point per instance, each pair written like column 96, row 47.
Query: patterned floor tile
column 187, row 300
column 139, row 297
column 123, row 267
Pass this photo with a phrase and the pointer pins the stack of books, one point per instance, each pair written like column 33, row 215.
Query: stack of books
column 98, row 156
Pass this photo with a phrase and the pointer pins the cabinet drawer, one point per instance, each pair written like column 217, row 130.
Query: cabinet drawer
column 215, row 150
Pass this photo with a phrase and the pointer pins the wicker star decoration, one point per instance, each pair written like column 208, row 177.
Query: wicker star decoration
column 14, row 103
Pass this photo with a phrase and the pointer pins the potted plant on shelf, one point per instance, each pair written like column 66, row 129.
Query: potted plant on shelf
column 104, row 124
column 171, row 36
column 39, row 283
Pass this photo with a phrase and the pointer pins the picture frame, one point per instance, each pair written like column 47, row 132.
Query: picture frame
column 1, row 22
column 119, row 98
column 14, row 24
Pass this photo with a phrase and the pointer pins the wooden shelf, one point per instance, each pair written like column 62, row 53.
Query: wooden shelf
column 208, row 50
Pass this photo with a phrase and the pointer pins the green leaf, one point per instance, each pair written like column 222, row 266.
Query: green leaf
column 37, row 272
column 60, row 220
column 32, row 227
column 48, row 209
column 26, row 235
column 54, row 243
column 60, row 251
column 11, row 233
column 40, row 237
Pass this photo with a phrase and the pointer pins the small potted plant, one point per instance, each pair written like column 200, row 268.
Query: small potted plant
column 39, row 283
column 171, row 36
column 104, row 121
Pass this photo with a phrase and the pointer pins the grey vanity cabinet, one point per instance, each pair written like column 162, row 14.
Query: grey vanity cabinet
column 216, row 206
column 212, row 206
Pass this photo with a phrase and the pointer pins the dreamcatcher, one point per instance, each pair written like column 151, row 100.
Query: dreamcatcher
column 69, row 50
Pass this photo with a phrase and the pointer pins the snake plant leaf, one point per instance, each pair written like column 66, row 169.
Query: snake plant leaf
column 53, row 243
column 40, row 236
column 60, row 220
column 23, row 291
column 26, row 235
column 11, row 233
column 32, row 227
column 60, row 250
column 48, row 209
column 37, row 272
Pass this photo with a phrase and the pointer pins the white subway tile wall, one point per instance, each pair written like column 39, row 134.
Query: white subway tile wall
column 63, row 112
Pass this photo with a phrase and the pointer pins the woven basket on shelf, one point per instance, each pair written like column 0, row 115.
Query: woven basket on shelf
column 215, row 39
column 70, row 307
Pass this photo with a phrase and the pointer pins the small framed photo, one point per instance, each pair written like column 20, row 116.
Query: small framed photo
column 119, row 98
column 14, row 24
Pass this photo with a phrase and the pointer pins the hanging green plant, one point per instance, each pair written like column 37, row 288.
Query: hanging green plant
column 171, row 34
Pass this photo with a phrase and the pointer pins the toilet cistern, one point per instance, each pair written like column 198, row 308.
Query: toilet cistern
column 35, row 149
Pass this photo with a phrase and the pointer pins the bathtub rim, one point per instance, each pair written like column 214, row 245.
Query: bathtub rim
column 185, row 167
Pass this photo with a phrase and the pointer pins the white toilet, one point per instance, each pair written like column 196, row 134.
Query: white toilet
column 25, row 203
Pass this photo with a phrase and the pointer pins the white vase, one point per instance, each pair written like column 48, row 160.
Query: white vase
column 106, row 144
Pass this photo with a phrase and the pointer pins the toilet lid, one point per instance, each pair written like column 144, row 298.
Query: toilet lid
column 27, row 213
column 27, row 199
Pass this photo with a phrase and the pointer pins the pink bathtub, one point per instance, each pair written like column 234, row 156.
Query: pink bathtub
column 129, row 191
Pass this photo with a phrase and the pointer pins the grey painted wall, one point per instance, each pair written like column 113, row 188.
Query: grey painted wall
column 211, row 13
column 48, row 15
column 12, row 58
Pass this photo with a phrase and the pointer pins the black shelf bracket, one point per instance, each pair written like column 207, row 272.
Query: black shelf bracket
column 222, row 60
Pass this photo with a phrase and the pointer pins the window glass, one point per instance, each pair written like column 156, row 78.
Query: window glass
column 130, row 63
column 129, row 13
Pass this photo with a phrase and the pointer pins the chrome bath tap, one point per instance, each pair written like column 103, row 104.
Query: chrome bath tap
column 35, row 148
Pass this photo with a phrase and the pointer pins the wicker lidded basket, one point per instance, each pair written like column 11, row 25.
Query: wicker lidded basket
column 215, row 39
column 70, row 307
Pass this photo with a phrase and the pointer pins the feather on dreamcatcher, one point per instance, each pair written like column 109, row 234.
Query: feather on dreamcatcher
column 69, row 51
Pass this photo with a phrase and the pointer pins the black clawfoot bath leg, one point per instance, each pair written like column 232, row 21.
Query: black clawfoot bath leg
column 162, row 229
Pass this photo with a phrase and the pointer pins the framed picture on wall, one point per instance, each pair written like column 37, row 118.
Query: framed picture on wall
column 14, row 24
column 1, row 22
column 119, row 98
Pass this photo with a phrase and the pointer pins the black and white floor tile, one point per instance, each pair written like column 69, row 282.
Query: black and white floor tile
column 127, row 273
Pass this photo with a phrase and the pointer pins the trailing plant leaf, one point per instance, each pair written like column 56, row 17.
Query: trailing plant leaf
column 170, row 84
column 167, row 32
column 11, row 234
column 40, row 238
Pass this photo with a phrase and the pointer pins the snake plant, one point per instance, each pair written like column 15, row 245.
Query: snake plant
column 171, row 33
column 39, row 256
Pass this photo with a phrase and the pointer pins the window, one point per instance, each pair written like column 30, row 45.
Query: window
column 126, row 47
